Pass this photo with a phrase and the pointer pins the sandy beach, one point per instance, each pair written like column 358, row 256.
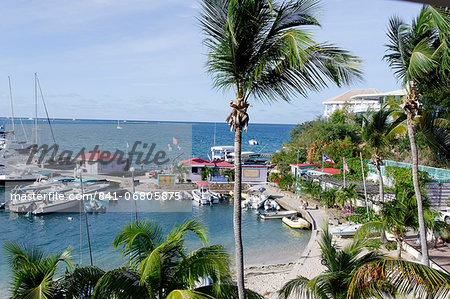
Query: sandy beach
column 267, row 280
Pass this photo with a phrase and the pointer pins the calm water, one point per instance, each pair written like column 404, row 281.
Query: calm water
column 265, row 241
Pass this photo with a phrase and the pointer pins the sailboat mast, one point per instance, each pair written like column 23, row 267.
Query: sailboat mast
column 12, row 108
column 214, row 133
column 35, row 110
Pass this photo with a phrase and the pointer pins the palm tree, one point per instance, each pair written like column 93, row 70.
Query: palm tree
column 328, row 197
column 257, row 49
column 230, row 174
column 396, row 217
column 378, row 129
column 206, row 173
column 352, row 272
column 79, row 283
column 160, row 267
column 312, row 188
column 180, row 170
column 33, row 270
column 347, row 194
column 414, row 52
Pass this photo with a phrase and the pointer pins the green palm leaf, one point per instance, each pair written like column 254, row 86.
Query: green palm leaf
column 187, row 294
column 81, row 281
column 121, row 283
column 404, row 276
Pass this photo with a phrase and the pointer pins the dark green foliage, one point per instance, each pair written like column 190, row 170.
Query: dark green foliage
column 328, row 197
column 286, row 181
column 403, row 178
column 273, row 176
column 284, row 158
column 360, row 216
column 354, row 164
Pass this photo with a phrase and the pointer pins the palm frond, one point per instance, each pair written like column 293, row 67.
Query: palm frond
column 227, row 291
column 371, row 228
column 187, row 294
column 296, row 288
column 259, row 48
column 137, row 238
column 210, row 261
column 81, row 281
column 408, row 278
column 121, row 283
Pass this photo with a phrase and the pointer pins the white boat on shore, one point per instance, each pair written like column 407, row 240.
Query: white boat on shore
column 345, row 230
column 277, row 215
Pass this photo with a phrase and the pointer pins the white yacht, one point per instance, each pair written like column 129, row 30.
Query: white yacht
column 59, row 205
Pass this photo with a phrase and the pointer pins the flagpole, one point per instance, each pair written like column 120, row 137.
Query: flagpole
column 343, row 169
column 364, row 184
column 322, row 162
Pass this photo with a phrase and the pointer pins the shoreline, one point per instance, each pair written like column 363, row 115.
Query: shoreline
column 267, row 280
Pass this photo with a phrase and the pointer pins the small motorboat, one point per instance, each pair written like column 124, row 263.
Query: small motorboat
column 253, row 142
column 255, row 201
column 277, row 215
column 345, row 230
column 53, row 206
column 271, row 204
column 296, row 222
column 201, row 196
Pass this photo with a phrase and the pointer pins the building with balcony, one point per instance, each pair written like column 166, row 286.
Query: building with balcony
column 360, row 100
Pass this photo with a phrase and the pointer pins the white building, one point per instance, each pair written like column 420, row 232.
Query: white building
column 359, row 100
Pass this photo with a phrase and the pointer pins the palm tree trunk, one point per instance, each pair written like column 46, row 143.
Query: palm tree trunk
column 399, row 248
column 380, row 179
column 237, row 213
column 415, row 173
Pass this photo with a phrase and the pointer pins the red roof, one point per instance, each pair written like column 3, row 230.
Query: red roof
column 97, row 155
column 328, row 170
column 204, row 162
column 203, row 183
column 302, row 164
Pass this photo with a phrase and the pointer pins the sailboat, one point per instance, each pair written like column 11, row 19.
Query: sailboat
column 118, row 125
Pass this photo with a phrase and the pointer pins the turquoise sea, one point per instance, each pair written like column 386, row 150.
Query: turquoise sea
column 265, row 241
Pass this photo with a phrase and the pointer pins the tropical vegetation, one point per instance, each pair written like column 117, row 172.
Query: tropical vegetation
column 416, row 52
column 158, row 266
column 354, row 272
column 259, row 50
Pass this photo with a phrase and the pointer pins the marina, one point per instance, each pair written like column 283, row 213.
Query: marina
column 225, row 149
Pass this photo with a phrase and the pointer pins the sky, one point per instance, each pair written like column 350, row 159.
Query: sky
column 145, row 60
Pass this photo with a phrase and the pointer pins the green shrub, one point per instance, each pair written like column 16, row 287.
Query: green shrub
column 360, row 216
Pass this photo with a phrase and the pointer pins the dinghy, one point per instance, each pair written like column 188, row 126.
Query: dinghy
column 296, row 222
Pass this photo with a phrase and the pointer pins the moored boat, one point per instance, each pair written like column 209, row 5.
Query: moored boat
column 296, row 222
column 277, row 215
column 63, row 205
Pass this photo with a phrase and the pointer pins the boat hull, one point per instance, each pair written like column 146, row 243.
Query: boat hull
column 277, row 215
column 299, row 223
column 59, row 206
